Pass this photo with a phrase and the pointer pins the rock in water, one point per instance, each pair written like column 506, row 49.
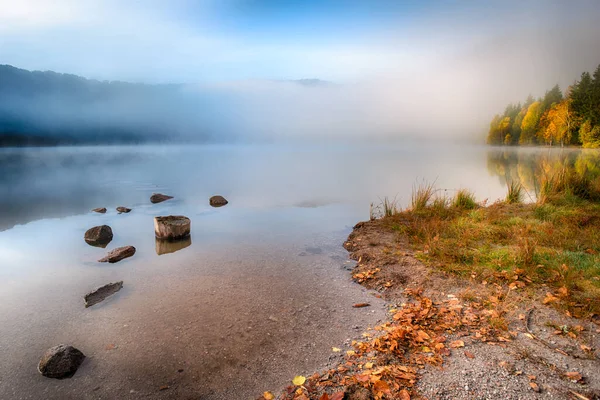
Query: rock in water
column 159, row 198
column 218, row 201
column 60, row 361
column 102, row 293
column 118, row 254
column 172, row 227
column 99, row 210
column 99, row 235
column 123, row 209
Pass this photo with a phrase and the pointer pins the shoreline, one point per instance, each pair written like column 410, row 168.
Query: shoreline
column 442, row 340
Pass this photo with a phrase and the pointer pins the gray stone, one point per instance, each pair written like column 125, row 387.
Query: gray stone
column 99, row 235
column 60, row 361
column 102, row 293
column 172, row 227
column 218, row 201
column 118, row 254
column 123, row 209
column 159, row 198
column 99, row 210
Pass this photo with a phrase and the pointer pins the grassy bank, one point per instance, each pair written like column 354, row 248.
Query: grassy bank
column 553, row 243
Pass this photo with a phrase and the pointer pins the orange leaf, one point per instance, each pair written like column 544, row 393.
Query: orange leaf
column 457, row 343
column 534, row 386
column 337, row 396
column 404, row 395
column 550, row 298
column 574, row 376
column 469, row 354
column 381, row 386
column 361, row 305
column 324, row 396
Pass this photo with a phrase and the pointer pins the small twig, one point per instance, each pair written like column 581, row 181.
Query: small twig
column 542, row 341
column 578, row 395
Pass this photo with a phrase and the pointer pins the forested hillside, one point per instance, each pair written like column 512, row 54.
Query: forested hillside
column 556, row 119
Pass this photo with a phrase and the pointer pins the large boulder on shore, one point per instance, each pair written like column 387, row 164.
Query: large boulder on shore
column 172, row 227
column 118, row 254
column 102, row 293
column 217, row 201
column 60, row 361
column 100, row 210
column 98, row 235
column 122, row 209
column 159, row 198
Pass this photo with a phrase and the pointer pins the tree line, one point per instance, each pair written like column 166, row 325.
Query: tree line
column 554, row 119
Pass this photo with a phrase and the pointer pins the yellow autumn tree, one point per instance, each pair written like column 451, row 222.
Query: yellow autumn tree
column 530, row 123
column 558, row 123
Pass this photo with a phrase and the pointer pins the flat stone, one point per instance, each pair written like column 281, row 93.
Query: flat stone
column 123, row 209
column 159, row 198
column 217, row 201
column 99, row 210
column 99, row 235
column 118, row 254
column 102, row 293
column 60, row 361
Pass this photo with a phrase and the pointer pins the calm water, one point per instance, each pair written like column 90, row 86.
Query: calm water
column 261, row 293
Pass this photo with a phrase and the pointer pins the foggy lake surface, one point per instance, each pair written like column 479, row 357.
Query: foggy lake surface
column 262, row 292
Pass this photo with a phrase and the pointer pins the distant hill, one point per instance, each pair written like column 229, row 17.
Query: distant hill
column 48, row 108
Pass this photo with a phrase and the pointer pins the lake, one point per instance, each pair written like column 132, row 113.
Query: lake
column 260, row 293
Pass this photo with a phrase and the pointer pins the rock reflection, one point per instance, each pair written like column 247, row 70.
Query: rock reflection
column 164, row 246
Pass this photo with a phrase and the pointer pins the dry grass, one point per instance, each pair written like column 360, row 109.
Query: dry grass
column 515, row 193
column 555, row 244
column 422, row 195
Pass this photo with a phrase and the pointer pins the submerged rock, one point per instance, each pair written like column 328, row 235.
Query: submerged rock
column 159, row 198
column 164, row 246
column 123, row 209
column 218, row 201
column 102, row 293
column 60, row 361
column 118, row 254
column 99, row 210
column 172, row 227
column 99, row 235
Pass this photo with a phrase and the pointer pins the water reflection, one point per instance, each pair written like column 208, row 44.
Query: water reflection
column 530, row 167
column 164, row 246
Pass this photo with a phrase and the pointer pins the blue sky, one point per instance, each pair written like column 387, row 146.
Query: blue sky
column 216, row 40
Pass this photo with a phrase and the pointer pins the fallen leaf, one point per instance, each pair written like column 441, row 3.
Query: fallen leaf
column 164, row 387
column 299, row 380
column 585, row 348
column 457, row 343
column 534, row 386
column 550, row 298
column 361, row 305
column 404, row 395
column 350, row 352
column 324, row 396
column 337, row 396
column 336, row 349
column 382, row 386
column 110, row 346
column 268, row 395
column 469, row 354
column 573, row 376
column 369, row 365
